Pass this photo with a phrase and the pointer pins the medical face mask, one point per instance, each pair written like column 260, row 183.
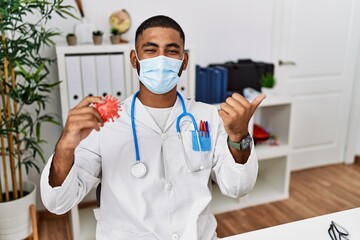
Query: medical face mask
column 159, row 74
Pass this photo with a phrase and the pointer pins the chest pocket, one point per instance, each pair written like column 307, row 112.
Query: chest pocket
column 197, row 158
column 201, row 141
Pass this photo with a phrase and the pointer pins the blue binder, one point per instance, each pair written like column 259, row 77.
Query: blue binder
column 221, row 84
column 211, row 84
column 199, row 84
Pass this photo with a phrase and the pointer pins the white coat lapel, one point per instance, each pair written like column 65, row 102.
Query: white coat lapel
column 175, row 113
column 142, row 116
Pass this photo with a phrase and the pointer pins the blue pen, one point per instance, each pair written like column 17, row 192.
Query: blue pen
column 207, row 129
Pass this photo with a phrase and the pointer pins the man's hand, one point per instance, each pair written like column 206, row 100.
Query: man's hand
column 82, row 119
column 236, row 113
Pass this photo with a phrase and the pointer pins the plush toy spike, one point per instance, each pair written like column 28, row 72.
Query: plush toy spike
column 109, row 110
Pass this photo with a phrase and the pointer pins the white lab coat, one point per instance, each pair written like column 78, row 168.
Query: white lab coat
column 170, row 202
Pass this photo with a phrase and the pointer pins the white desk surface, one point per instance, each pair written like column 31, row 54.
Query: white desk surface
column 312, row 228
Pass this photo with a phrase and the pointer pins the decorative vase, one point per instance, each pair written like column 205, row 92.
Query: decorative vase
column 97, row 40
column 115, row 39
column 71, row 40
column 83, row 31
column 15, row 220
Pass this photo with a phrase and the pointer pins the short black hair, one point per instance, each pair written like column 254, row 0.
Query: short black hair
column 159, row 21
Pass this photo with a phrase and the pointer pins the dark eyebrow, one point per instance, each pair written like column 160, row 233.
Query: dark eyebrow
column 152, row 44
column 173, row 45
column 149, row 44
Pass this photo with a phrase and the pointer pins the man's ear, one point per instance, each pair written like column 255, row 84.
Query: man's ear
column 185, row 61
column 133, row 59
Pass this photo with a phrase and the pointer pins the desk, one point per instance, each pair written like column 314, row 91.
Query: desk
column 311, row 228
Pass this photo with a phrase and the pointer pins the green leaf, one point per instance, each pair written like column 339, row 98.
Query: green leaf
column 22, row 48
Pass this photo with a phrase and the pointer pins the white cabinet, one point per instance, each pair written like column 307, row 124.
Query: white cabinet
column 274, row 114
column 91, row 70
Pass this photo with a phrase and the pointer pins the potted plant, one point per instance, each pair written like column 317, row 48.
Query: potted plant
column 24, row 89
column 97, row 37
column 115, row 36
column 268, row 83
column 71, row 39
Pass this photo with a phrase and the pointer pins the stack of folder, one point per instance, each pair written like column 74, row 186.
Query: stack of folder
column 211, row 84
column 220, row 80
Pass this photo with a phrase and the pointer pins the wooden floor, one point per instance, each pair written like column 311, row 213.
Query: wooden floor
column 53, row 227
column 313, row 192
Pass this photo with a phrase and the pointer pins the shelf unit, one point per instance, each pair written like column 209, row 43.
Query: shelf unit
column 274, row 114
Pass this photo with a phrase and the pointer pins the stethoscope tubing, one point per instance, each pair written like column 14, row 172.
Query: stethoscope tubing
column 184, row 114
column 132, row 116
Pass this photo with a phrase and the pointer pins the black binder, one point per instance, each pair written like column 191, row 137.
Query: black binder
column 245, row 73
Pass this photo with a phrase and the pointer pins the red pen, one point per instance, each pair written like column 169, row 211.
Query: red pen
column 203, row 128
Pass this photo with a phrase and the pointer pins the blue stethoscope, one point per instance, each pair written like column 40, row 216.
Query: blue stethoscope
column 139, row 169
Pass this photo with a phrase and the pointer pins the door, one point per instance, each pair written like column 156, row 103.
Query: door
column 316, row 46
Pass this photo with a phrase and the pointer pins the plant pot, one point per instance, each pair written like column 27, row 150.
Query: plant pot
column 97, row 40
column 15, row 220
column 115, row 39
column 71, row 40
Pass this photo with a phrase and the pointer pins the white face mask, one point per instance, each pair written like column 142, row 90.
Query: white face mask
column 159, row 74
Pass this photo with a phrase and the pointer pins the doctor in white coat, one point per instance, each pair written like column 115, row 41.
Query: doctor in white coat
column 156, row 163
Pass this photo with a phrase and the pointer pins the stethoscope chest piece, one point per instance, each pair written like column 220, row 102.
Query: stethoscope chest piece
column 138, row 170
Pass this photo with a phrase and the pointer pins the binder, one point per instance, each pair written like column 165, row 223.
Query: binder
column 208, row 85
column 222, row 91
column 211, row 84
column 241, row 75
column 73, row 79
column 88, row 74
column 217, row 85
column 262, row 68
column 117, row 69
column 199, row 79
column 103, row 75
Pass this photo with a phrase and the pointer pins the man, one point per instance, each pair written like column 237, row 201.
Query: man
column 155, row 170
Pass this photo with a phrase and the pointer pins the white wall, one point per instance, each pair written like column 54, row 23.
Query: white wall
column 215, row 32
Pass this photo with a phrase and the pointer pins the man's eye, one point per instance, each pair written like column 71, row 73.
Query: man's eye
column 149, row 50
column 173, row 51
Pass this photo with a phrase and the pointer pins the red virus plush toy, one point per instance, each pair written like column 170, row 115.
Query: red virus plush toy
column 109, row 110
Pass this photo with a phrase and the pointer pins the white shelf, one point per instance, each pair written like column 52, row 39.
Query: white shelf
column 268, row 152
column 263, row 192
column 90, row 48
column 271, row 185
column 275, row 101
